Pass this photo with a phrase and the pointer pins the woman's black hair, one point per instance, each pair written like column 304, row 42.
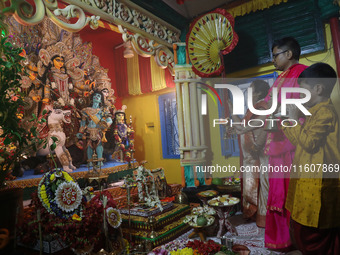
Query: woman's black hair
column 262, row 87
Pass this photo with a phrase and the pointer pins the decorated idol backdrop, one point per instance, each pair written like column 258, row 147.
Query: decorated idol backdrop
column 65, row 84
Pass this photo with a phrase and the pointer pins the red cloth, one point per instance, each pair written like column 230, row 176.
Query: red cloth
column 169, row 80
column 315, row 241
column 145, row 74
column 121, row 72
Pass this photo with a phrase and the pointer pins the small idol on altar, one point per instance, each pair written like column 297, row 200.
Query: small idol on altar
column 124, row 136
column 95, row 121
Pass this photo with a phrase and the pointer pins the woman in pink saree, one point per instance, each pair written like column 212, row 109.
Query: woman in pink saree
column 286, row 53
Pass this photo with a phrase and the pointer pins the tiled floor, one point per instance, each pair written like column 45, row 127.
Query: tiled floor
column 251, row 236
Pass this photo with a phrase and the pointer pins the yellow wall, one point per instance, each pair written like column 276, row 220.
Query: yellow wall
column 148, row 144
column 144, row 109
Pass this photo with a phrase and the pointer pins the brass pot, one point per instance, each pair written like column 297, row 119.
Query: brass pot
column 181, row 198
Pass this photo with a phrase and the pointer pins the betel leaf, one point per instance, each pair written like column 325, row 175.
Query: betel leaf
column 55, row 139
column 53, row 146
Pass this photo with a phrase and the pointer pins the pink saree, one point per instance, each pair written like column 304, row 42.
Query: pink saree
column 281, row 153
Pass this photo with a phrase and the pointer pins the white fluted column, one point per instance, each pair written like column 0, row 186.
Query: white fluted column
column 190, row 121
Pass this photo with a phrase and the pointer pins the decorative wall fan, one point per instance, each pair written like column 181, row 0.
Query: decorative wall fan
column 209, row 36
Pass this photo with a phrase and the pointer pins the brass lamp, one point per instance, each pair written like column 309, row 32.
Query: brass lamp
column 152, row 221
column 271, row 125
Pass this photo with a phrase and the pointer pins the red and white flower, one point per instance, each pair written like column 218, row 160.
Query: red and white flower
column 113, row 217
column 68, row 196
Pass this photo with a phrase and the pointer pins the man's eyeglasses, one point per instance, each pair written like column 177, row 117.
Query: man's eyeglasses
column 275, row 55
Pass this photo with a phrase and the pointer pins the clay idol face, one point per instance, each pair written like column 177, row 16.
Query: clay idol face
column 97, row 98
column 58, row 62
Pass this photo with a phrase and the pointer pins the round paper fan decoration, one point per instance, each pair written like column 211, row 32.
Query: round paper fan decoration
column 209, row 35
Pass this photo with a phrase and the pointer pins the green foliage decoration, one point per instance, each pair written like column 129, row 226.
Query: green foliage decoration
column 15, row 138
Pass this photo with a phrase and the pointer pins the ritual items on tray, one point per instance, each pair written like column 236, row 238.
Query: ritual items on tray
column 199, row 219
column 200, row 216
column 223, row 200
column 204, row 196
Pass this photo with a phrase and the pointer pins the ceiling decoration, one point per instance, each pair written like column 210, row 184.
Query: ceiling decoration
column 147, row 48
column 133, row 18
column 23, row 12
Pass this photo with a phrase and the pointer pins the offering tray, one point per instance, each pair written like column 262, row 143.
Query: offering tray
column 223, row 206
column 199, row 230
column 224, row 200
column 204, row 196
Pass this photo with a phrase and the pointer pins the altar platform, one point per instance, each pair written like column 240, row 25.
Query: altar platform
column 114, row 170
column 168, row 223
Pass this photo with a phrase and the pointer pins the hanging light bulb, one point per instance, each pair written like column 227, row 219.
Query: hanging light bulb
column 128, row 52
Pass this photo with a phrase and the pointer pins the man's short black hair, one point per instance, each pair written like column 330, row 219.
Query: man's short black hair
column 288, row 43
column 319, row 73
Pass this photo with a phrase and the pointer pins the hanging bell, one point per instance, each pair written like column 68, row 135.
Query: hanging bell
column 271, row 125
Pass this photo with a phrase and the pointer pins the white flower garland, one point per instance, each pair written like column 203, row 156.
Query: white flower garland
column 205, row 210
column 151, row 197
column 113, row 217
column 68, row 196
